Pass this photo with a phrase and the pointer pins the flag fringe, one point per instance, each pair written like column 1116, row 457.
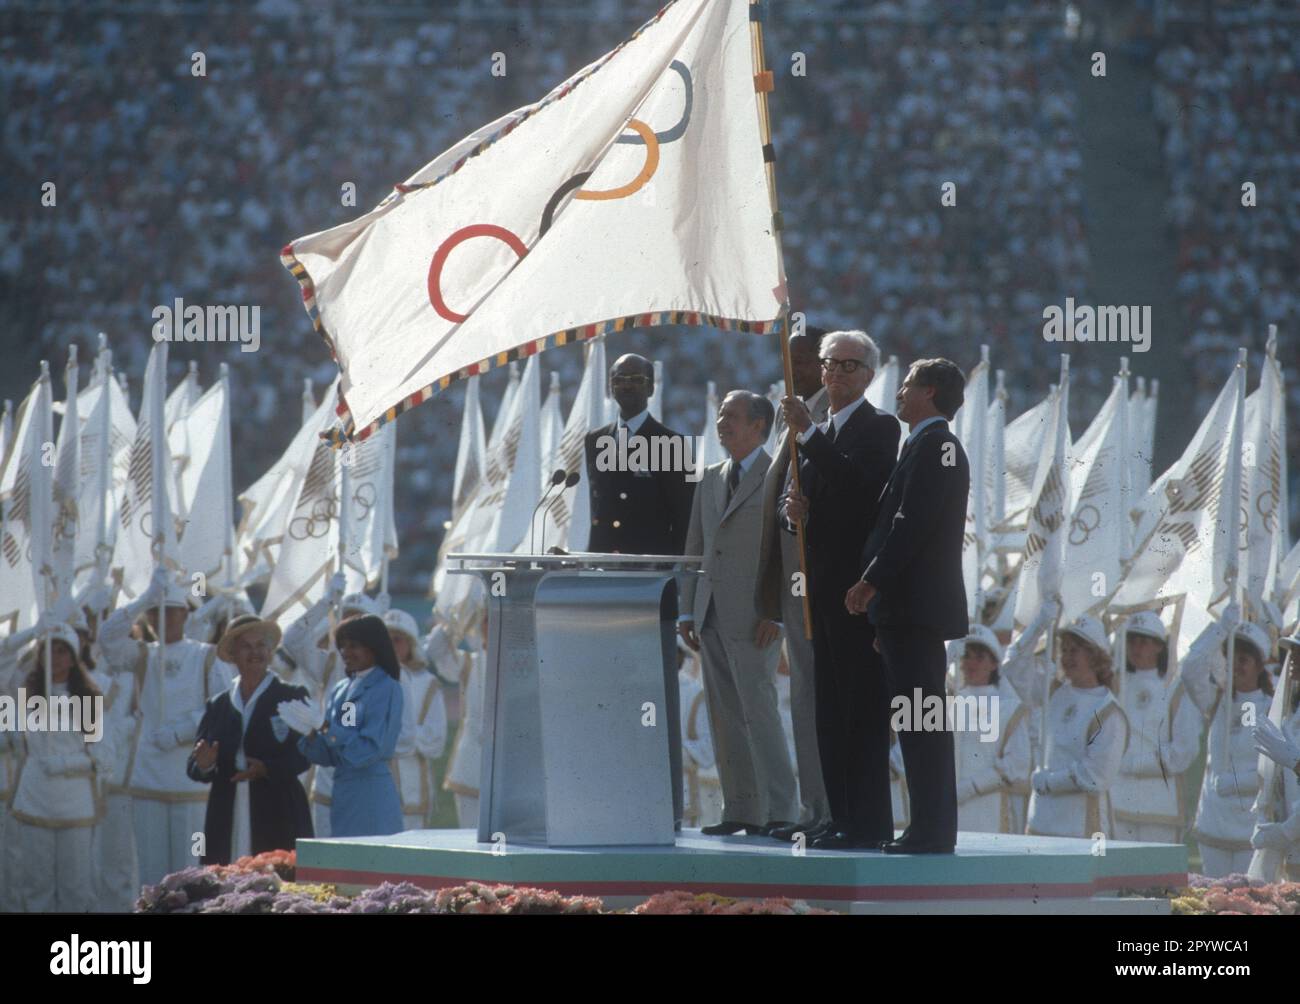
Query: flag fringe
column 584, row 332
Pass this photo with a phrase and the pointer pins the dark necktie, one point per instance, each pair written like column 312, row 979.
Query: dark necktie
column 733, row 479
column 831, row 430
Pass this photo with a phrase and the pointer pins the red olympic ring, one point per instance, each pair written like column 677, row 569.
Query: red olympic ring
column 440, row 259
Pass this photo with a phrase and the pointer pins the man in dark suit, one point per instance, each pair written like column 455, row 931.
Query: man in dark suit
column 913, row 592
column 842, row 469
column 640, row 511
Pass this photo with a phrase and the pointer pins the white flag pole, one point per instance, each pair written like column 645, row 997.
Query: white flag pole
column 159, row 475
column 227, row 486
column 1125, row 487
column 1231, row 498
column 1062, row 432
column 40, row 498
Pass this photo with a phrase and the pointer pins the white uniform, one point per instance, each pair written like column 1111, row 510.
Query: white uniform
column 1225, row 816
column 422, row 740
column 117, row 865
column 1287, row 811
column 11, row 757
column 1086, row 737
column 55, row 808
column 467, row 754
column 318, row 670
column 991, row 776
column 699, row 762
column 898, row 784
column 168, row 808
column 1164, row 737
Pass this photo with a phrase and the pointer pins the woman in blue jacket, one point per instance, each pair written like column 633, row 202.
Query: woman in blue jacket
column 363, row 717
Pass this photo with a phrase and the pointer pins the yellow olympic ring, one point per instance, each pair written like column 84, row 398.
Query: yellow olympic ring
column 647, row 171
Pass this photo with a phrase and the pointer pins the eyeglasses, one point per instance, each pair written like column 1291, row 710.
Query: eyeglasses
column 627, row 381
column 847, row 365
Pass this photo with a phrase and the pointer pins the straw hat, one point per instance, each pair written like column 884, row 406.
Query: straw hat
column 242, row 625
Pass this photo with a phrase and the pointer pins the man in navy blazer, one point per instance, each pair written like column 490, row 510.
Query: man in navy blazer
column 913, row 592
column 843, row 465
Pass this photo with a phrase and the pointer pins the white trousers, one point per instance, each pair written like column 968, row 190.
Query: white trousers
column 165, row 835
column 9, row 861
column 320, row 820
column 56, row 868
column 467, row 811
column 1147, row 833
column 1216, row 862
column 117, row 864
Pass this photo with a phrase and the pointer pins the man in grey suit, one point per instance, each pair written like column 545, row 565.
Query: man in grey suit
column 740, row 650
column 778, row 563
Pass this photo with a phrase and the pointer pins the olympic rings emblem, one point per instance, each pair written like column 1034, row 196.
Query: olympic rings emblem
column 1268, row 512
column 1086, row 526
column 644, row 135
column 318, row 523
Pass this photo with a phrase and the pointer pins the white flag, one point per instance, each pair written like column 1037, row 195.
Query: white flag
column 883, row 390
column 634, row 194
column 65, row 489
column 1022, row 452
column 970, row 426
column 552, row 431
column 1184, row 536
column 568, row 519
column 1264, row 482
column 711, row 451
column 366, row 491
column 25, row 494
column 201, row 484
column 471, row 452
column 308, row 550
column 146, row 533
column 1095, row 544
column 1046, row 529
column 266, row 504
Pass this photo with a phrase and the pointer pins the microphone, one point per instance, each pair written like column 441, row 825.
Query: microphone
column 556, row 479
column 569, row 482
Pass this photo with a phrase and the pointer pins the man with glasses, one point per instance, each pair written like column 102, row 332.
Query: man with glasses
column 645, row 510
column 844, row 464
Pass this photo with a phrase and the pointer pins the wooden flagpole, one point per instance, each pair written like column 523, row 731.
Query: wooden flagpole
column 763, row 85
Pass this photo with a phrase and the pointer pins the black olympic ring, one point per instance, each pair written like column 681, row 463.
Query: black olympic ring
column 1078, row 523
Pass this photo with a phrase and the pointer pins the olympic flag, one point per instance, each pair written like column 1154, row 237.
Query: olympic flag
column 633, row 194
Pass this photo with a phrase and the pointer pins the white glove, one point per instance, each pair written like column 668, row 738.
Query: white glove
column 965, row 790
column 1271, row 741
column 337, row 587
column 95, row 597
column 1231, row 616
column 1269, row 836
column 299, row 715
column 1227, row 785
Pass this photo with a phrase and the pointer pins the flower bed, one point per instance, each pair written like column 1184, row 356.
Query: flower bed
column 1234, row 895
column 264, row 885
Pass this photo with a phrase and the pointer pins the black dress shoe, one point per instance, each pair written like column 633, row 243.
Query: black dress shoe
column 726, row 828
column 769, row 828
column 917, row 847
column 837, row 840
column 786, row 831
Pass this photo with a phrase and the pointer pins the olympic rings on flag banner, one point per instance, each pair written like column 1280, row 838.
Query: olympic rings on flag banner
column 1085, row 525
column 646, row 136
column 440, row 259
column 679, row 130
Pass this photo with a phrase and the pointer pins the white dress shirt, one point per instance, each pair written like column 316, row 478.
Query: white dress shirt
column 837, row 419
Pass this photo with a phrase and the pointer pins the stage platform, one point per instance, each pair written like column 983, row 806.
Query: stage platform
column 990, row 873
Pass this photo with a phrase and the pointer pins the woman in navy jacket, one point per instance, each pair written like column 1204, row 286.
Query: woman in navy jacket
column 248, row 754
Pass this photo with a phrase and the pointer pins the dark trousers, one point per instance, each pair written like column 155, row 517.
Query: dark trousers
column 915, row 659
column 852, row 702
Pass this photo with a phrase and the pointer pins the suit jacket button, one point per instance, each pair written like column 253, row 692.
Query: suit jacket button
column 718, row 552
column 622, row 495
column 616, row 524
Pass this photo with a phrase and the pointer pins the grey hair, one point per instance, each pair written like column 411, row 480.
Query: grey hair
column 870, row 350
column 759, row 407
